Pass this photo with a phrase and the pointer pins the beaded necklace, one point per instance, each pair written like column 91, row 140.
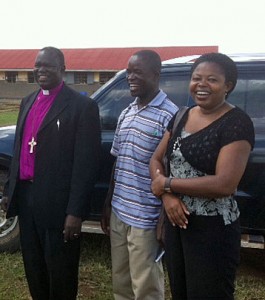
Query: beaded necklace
column 177, row 143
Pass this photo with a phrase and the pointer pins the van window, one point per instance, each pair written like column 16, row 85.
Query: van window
column 176, row 87
column 118, row 97
column 112, row 103
column 249, row 95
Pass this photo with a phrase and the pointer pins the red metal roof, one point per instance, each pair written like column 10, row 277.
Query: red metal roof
column 100, row 59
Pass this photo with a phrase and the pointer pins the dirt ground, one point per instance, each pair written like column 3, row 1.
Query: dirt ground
column 253, row 262
column 9, row 104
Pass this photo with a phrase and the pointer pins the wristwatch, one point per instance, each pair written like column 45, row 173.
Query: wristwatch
column 167, row 187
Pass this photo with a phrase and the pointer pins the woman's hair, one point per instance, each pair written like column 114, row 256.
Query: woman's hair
column 224, row 62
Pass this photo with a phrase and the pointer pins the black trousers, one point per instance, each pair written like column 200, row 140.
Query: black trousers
column 202, row 259
column 51, row 265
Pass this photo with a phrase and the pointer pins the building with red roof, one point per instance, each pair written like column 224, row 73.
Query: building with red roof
column 86, row 69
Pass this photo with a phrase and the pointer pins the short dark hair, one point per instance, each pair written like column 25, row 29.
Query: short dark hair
column 151, row 57
column 224, row 62
column 58, row 53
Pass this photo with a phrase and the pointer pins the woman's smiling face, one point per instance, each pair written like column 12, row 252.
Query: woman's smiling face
column 208, row 86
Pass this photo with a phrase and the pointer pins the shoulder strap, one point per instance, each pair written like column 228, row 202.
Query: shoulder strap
column 179, row 116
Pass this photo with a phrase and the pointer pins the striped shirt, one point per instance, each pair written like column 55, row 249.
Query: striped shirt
column 138, row 133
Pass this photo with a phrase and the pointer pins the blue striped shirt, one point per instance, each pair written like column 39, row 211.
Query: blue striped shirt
column 138, row 133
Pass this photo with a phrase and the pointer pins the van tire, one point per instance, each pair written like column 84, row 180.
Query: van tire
column 9, row 228
column 9, row 235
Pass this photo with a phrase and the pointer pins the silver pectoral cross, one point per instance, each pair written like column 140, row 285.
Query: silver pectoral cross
column 32, row 144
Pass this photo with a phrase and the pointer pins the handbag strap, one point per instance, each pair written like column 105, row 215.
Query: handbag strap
column 179, row 116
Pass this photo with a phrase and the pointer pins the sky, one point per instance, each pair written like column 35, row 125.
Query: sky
column 235, row 26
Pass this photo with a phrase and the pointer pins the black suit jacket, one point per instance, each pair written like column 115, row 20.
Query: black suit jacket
column 67, row 158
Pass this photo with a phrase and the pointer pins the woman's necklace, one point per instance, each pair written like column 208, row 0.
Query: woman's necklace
column 177, row 144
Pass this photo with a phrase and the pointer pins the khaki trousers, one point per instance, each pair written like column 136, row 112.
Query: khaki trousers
column 135, row 274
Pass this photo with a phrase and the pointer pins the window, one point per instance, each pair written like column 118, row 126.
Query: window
column 31, row 77
column 11, row 76
column 249, row 96
column 176, row 87
column 112, row 104
column 118, row 97
column 105, row 76
column 80, row 77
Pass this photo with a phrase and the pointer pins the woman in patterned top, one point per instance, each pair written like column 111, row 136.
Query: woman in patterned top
column 208, row 153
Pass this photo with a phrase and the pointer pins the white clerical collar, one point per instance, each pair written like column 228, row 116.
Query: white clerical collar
column 46, row 92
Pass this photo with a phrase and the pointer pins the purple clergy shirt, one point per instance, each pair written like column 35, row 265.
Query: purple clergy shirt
column 33, row 122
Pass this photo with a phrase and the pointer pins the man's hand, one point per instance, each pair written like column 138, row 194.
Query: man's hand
column 4, row 203
column 105, row 219
column 72, row 228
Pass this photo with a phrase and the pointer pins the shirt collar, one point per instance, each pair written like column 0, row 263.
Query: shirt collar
column 52, row 91
column 157, row 101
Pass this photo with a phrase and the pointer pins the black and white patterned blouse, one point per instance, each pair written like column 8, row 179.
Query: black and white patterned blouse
column 195, row 155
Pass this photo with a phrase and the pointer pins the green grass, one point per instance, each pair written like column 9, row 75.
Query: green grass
column 12, row 279
column 95, row 273
column 95, row 268
column 8, row 118
column 9, row 112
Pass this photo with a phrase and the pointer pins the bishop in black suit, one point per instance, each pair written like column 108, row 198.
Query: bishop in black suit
column 52, row 174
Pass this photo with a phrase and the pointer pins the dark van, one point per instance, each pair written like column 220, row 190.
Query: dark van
column 114, row 96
